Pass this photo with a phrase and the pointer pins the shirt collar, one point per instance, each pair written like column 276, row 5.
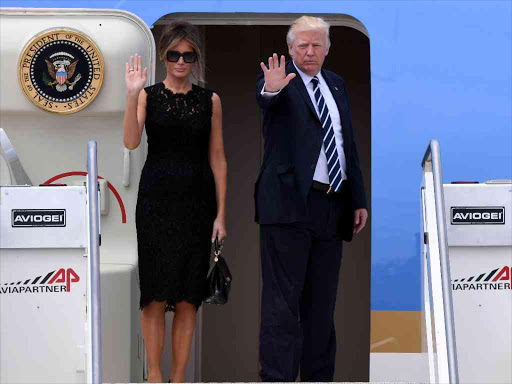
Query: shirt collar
column 307, row 78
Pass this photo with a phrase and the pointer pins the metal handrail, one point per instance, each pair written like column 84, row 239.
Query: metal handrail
column 94, row 299
column 433, row 155
column 13, row 162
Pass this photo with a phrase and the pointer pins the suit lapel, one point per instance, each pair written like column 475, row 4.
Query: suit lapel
column 300, row 87
column 339, row 95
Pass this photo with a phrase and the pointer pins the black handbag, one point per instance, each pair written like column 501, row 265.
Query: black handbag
column 218, row 279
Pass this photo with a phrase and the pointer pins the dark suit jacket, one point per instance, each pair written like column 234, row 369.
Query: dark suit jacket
column 293, row 139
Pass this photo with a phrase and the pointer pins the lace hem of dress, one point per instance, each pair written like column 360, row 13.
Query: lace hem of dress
column 171, row 301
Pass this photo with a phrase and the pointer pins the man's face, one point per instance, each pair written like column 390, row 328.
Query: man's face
column 309, row 50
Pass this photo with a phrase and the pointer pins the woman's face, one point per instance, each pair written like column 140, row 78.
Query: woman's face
column 180, row 68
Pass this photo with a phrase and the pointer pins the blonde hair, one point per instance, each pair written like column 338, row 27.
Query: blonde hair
column 177, row 31
column 308, row 23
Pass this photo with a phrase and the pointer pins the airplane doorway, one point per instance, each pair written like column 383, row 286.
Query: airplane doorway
column 228, row 346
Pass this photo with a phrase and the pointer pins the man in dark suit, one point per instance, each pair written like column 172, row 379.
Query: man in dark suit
column 309, row 197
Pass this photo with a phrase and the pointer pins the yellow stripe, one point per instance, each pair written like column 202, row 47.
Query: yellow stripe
column 395, row 331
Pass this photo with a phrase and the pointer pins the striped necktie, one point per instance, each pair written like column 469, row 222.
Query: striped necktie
column 331, row 152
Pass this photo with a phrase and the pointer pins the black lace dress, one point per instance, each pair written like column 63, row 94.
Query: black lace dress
column 176, row 203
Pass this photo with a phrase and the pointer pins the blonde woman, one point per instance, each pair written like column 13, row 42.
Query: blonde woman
column 182, row 191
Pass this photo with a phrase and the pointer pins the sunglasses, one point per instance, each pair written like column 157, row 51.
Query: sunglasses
column 188, row 57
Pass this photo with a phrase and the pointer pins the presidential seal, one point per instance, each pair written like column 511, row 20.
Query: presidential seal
column 61, row 70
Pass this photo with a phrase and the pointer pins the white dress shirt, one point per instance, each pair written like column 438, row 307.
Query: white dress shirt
column 321, row 171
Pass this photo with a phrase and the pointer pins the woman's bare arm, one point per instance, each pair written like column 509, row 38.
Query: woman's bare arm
column 136, row 99
column 219, row 168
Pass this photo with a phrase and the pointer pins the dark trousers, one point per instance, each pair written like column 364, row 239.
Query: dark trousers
column 300, row 269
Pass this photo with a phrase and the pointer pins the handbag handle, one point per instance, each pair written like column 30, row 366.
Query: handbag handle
column 218, row 248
